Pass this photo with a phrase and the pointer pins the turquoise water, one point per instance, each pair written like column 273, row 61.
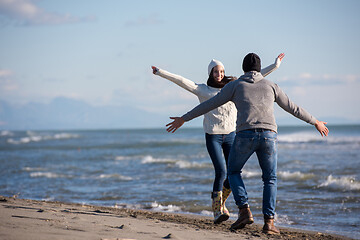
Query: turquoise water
column 318, row 188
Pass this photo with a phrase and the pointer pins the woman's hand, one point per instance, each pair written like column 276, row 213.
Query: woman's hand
column 279, row 59
column 155, row 69
column 174, row 125
column 320, row 126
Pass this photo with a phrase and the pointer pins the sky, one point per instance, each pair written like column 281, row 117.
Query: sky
column 101, row 52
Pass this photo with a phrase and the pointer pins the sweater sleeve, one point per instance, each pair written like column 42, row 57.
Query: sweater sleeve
column 272, row 67
column 285, row 103
column 179, row 80
column 219, row 99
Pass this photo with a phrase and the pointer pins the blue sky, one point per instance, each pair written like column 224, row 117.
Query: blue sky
column 101, row 52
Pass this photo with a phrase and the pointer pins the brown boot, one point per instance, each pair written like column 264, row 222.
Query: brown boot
column 245, row 217
column 226, row 193
column 269, row 227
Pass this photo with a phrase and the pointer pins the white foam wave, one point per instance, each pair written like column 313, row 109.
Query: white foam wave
column 31, row 169
column 169, row 208
column 287, row 175
column 47, row 175
column 283, row 219
column 150, row 159
column 48, row 199
column 250, row 174
column 308, row 137
column 64, row 136
column 342, row 183
column 6, row 134
column 122, row 158
column 187, row 164
column 128, row 206
column 206, row 213
column 300, row 137
column 115, row 176
column 33, row 137
column 24, row 140
column 176, row 162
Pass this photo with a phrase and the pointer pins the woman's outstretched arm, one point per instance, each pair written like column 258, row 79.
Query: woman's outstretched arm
column 177, row 79
column 272, row 67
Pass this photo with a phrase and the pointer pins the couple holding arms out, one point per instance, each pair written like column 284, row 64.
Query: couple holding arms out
column 238, row 121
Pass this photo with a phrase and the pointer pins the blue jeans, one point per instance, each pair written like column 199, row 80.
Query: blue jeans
column 264, row 144
column 217, row 145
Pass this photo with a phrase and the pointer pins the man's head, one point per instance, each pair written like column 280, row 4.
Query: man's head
column 251, row 62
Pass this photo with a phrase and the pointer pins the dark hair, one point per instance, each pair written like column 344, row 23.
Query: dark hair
column 212, row 83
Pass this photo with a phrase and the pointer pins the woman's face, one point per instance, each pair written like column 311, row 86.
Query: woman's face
column 218, row 73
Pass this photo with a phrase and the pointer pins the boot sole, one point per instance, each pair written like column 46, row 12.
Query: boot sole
column 242, row 224
column 221, row 219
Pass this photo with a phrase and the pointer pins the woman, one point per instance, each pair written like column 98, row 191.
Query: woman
column 219, row 126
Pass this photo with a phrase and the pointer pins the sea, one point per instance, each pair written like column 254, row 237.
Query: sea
column 318, row 177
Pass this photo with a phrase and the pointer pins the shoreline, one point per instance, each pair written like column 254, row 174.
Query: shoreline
column 33, row 219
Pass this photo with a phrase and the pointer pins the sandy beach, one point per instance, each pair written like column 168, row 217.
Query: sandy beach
column 30, row 219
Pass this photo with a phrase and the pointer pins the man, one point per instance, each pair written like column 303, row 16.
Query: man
column 256, row 129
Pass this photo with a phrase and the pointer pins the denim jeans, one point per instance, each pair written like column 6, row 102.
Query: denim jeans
column 264, row 144
column 218, row 146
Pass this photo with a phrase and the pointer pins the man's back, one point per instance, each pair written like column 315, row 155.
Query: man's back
column 254, row 98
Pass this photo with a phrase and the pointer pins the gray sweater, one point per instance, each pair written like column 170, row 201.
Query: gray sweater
column 254, row 99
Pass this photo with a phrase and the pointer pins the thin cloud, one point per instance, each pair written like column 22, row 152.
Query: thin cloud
column 7, row 82
column 144, row 21
column 26, row 12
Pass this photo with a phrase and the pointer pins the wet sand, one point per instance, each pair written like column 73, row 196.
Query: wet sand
column 30, row 219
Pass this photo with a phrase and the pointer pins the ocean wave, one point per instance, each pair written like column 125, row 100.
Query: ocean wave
column 287, row 175
column 47, row 175
column 31, row 169
column 283, row 219
column 176, row 162
column 33, row 137
column 6, row 134
column 150, row 159
column 187, row 164
column 341, row 183
column 145, row 159
column 185, row 141
column 250, row 174
column 301, row 137
column 168, row 208
column 206, row 213
column 152, row 206
column 313, row 137
column 24, row 140
column 122, row 158
column 128, row 206
column 114, row 176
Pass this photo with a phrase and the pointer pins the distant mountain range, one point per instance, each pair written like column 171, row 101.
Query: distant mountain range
column 66, row 113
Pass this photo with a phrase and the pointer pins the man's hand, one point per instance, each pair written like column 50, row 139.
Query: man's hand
column 320, row 126
column 174, row 125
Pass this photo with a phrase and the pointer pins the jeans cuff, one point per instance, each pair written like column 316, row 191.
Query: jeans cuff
column 246, row 205
column 268, row 216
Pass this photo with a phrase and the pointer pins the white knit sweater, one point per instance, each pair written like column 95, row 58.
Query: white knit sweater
column 221, row 120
